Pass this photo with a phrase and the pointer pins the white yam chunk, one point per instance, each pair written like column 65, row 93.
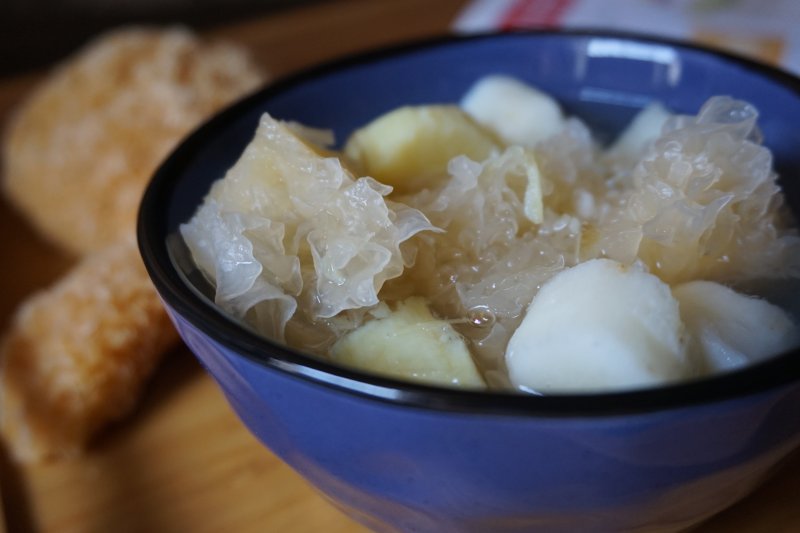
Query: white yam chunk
column 642, row 130
column 599, row 326
column 517, row 112
column 730, row 329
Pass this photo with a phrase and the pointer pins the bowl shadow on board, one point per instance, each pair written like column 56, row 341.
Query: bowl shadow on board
column 775, row 502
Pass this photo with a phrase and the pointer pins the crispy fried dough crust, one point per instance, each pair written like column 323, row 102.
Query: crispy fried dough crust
column 79, row 152
column 78, row 354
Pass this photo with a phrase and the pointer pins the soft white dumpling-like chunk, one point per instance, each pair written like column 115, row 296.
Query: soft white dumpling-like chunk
column 517, row 112
column 599, row 326
column 730, row 329
column 643, row 129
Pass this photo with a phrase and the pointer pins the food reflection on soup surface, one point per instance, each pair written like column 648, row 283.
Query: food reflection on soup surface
column 495, row 244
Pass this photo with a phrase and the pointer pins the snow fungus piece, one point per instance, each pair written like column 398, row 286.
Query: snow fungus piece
column 705, row 203
column 287, row 227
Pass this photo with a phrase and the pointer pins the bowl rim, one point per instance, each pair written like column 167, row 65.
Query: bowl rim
column 152, row 236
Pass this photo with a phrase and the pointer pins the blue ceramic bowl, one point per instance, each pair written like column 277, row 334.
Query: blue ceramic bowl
column 404, row 457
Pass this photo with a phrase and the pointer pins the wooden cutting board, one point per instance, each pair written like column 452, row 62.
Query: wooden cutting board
column 183, row 462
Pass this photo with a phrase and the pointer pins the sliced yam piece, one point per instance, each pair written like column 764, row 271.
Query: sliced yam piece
column 516, row 112
column 409, row 148
column 641, row 131
column 410, row 344
column 599, row 326
column 730, row 329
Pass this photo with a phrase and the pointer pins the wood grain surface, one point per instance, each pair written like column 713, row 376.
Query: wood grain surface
column 183, row 462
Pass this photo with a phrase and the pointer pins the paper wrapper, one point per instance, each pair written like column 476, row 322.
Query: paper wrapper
column 764, row 30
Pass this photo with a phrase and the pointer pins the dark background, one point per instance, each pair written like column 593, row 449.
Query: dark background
column 36, row 33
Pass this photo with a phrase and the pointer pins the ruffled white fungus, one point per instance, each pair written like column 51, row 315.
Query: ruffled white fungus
column 287, row 227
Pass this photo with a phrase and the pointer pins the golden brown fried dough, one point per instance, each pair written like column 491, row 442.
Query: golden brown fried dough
column 80, row 151
column 78, row 354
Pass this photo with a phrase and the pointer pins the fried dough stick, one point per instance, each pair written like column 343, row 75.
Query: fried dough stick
column 78, row 353
column 77, row 157
column 79, row 152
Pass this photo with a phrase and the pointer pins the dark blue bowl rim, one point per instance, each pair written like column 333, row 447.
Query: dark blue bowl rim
column 152, row 235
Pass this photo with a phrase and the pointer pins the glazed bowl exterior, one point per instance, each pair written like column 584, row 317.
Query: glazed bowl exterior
column 403, row 457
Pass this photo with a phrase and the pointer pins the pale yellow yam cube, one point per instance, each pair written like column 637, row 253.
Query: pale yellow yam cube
column 410, row 344
column 409, row 148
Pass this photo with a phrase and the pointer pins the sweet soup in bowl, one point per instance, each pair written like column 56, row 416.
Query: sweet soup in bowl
column 496, row 244
column 454, row 317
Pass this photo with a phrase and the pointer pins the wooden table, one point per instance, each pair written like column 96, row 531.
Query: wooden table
column 183, row 462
